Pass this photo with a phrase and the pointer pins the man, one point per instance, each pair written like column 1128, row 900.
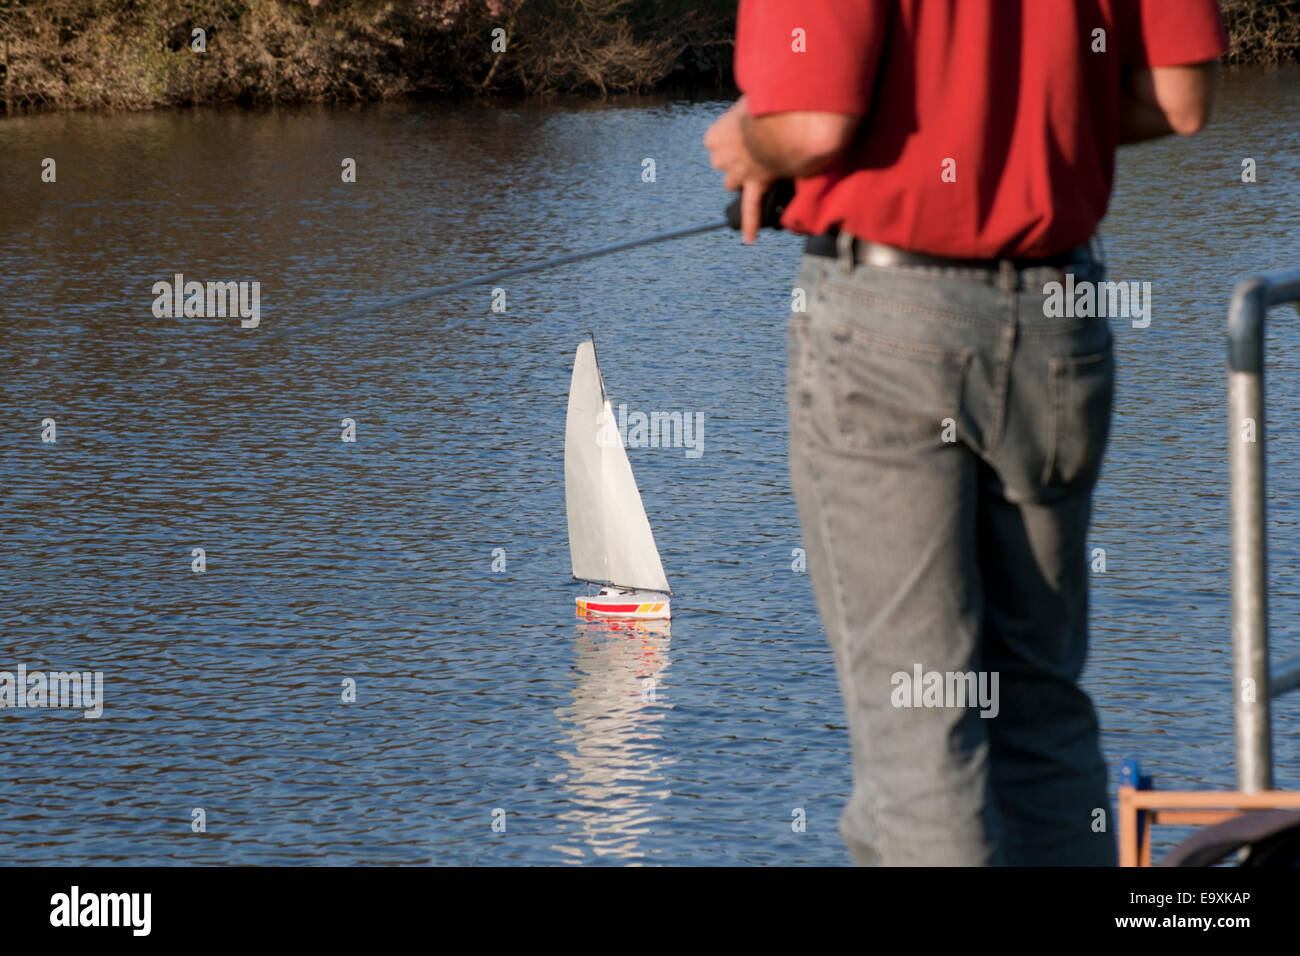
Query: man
column 952, row 162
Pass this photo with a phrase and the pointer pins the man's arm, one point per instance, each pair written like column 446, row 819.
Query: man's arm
column 798, row 144
column 1167, row 100
column 755, row 152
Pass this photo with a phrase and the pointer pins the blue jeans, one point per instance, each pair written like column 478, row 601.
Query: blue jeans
column 945, row 439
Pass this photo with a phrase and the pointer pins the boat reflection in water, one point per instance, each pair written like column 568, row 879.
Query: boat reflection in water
column 611, row 742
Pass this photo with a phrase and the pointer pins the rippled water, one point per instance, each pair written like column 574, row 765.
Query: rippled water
column 477, row 690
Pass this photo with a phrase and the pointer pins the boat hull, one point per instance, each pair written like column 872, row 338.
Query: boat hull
column 624, row 605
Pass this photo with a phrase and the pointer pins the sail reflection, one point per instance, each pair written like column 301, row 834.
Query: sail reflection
column 612, row 734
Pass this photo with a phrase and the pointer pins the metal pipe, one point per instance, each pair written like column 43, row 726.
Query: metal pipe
column 1249, row 541
column 1283, row 287
column 1252, row 687
column 1284, row 677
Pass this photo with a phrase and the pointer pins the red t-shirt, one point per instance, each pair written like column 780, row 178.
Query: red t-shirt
column 1006, row 98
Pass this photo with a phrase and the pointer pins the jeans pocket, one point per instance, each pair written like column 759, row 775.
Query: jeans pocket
column 1082, row 393
column 799, row 356
column 889, row 393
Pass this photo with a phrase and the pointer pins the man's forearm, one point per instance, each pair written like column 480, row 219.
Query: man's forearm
column 1166, row 100
column 1140, row 121
column 798, row 144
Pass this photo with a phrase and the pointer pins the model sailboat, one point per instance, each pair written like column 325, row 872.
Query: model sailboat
column 610, row 541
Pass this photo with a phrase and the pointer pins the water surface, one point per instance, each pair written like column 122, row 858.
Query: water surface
column 477, row 690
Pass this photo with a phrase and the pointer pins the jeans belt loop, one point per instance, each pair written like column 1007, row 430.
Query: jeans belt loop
column 1008, row 277
column 844, row 250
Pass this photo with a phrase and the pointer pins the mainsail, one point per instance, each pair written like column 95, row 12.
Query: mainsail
column 610, row 540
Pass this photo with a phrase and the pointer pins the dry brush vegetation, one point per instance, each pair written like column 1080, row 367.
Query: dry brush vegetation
column 134, row 54
column 1263, row 32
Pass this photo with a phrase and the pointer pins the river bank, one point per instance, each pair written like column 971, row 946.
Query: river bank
column 95, row 54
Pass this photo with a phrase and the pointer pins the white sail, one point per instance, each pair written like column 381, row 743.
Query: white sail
column 610, row 540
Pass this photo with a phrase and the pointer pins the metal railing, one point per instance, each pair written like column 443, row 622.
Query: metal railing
column 1252, row 683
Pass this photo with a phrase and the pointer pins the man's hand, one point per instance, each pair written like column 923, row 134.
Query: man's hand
column 729, row 152
column 754, row 153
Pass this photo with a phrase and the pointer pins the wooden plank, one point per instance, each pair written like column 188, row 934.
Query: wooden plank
column 1215, row 800
column 1190, row 817
column 1140, row 810
column 1128, row 828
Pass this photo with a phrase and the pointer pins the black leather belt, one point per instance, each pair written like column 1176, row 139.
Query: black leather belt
column 873, row 253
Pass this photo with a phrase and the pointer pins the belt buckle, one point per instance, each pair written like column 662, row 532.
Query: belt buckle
column 880, row 255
